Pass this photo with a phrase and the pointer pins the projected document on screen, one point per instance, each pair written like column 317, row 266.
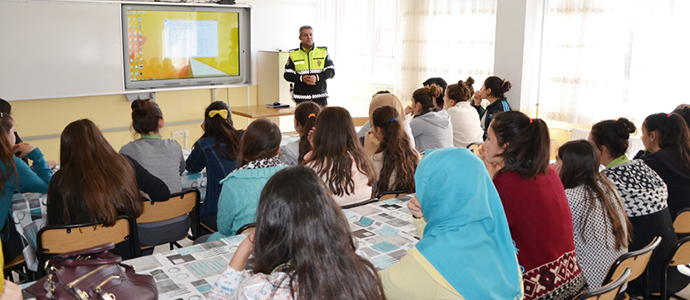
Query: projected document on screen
column 183, row 38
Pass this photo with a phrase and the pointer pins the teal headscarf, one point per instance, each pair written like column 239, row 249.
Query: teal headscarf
column 466, row 237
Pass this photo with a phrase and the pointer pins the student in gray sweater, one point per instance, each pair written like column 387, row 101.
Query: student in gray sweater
column 161, row 157
column 431, row 125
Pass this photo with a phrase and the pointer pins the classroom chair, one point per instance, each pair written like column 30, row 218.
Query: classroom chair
column 18, row 265
column 474, row 147
column 179, row 204
column 246, row 228
column 637, row 262
column 365, row 202
column 679, row 255
column 606, row 292
column 682, row 223
column 57, row 239
column 391, row 194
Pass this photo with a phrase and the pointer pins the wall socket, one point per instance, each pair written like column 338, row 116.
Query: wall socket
column 180, row 133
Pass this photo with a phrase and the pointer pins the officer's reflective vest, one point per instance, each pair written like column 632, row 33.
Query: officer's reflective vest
column 309, row 63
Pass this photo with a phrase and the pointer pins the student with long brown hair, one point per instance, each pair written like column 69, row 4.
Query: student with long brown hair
column 395, row 161
column 600, row 227
column 667, row 140
column 338, row 157
column 239, row 196
column 431, row 125
column 463, row 117
column 16, row 175
column 644, row 195
column 383, row 98
column 95, row 184
column 217, row 151
column 305, row 119
column 517, row 155
column 293, row 257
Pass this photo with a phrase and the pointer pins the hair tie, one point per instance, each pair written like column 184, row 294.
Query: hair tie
column 311, row 115
column 2, row 115
column 668, row 116
column 223, row 113
column 503, row 83
column 530, row 120
column 393, row 120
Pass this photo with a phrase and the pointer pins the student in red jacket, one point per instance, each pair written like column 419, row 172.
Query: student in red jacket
column 517, row 155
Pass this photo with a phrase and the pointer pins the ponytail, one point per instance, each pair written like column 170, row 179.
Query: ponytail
column 398, row 156
column 528, row 141
column 674, row 135
column 305, row 114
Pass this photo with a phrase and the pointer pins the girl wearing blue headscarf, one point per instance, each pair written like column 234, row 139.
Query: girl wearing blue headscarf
column 466, row 251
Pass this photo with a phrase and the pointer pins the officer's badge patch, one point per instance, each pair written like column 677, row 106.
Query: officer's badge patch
column 318, row 63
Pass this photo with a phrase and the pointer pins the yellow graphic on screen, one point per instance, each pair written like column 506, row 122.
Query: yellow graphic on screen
column 178, row 45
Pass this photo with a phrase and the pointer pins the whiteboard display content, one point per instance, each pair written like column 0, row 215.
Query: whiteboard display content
column 170, row 46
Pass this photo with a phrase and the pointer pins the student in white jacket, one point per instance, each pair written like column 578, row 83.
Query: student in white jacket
column 464, row 117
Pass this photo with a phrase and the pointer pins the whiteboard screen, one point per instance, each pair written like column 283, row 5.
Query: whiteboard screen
column 59, row 49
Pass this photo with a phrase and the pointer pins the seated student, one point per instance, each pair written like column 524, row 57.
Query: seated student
column 684, row 111
column 339, row 158
column 239, row 197
column 431, row 125
column 305, row 118
column 440, row 82
column 95, row 184
column 644, row 196
column 216, row 150
column 8, row 289
column 493, row 90
column 161, row 157
column 463, row 117
column 667, row 139
column 294, row 258
column 384, row 98
column 466, row 251
column 517, row 155
column 600, row 227
column 395, row 160
column 16, row 175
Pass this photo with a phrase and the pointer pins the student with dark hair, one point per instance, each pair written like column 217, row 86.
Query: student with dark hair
column 395, row 161
column 371, row 143
column 162, row 157
column 644, row 196
column 517, row 155
column 667, row 140
column 217, row 151
column 440, row 82
column 465, row 251
column 600, row 227
column 463, row 117
column 493, row 89
column 95, row 184
column 292, row 257
column 431, row 125
column 338, row 157
column 684, row 111
column 239, row 196
column 16, row 175
column 6, row 108
column 305, row 119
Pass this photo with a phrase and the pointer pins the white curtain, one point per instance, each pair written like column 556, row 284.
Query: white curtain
column 605, row 59
column 398, row 44
column 452, row 39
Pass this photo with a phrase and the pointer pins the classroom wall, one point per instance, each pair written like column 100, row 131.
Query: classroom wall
column 274, row 25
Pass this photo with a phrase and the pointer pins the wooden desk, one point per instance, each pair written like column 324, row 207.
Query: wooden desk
column 261, row 111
